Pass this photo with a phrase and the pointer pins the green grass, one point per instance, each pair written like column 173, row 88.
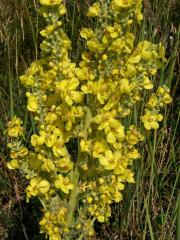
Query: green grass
column 151, row 207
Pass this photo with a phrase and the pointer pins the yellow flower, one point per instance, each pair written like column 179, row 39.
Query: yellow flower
column 117, row 196
column 139, row 16
column 58, row 149
column 102, row 90
column 99, row 148
column 109, row 160
column 89, row 199
column 129, row 176
column 160, row 91
column 50, row 2
column 153, row 71
column 13, row 154
column 23, row 151
column 27, row 80
column 43, row 186
column 94, row 10
column 134, row 59
column 133, row 136
column 111, row 138
column 55, row 236
column 147, row 84
column 50, row 118
column 119, row 185
column 65, row 164
column 87, row 33
column 114, row 31
column 85, row 145
column 61, row 214
column 67, row 90
column 86, row 57
column 81, row 73
column 13, row 164
column 32, row 104
column 117, row 45
column 36, row 67
column 151, row 120
column 76, row 96
column 133, row 154
column 48, row 165
column 37, row 140
column 166, row 98
column 114, row 130
column 124, row 86
column 144, row 50
column 47, row 31
column 62, row 10
column 103, row 120
column 119, row 4
column 63, row 183
column 36, row 186
column 131, row 70
column 153, row 101
column 101, row 218
column 14, row 127
column 32, row 188
column 93, row 44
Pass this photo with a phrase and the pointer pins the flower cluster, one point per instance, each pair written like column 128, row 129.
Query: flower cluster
column 152, row 111
column 17, row 151
column 53, row 223
column 89, row 104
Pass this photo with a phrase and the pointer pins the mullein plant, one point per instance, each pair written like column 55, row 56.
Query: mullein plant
column 89, row 103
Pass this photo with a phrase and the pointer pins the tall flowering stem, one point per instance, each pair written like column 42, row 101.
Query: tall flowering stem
column 89, row 104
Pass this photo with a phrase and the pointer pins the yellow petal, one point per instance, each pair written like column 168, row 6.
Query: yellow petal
column 111, row 137
column 43, row 186
column 167, row 99
column 146, row 55
column 47, row 31
column 13, row 164
column 32, row 104
column 68, row 100
column 87, row 33
column 147, row 83
column 50, row 2
column 154, row 125
column 62, row 10
column 101, row 218
column 159, row 117
column 120, row 186
column 94, row 10
column 134, row 59
column 119, row 4
column 93, row 45
column 147, row 125
column 77, row 97
column 103, row 161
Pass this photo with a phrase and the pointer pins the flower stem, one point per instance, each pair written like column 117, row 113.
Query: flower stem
column 73, row 199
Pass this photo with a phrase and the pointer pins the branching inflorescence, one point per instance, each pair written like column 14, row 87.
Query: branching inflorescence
column 91, row 104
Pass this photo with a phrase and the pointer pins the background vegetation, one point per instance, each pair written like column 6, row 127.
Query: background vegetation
column 151, row 207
